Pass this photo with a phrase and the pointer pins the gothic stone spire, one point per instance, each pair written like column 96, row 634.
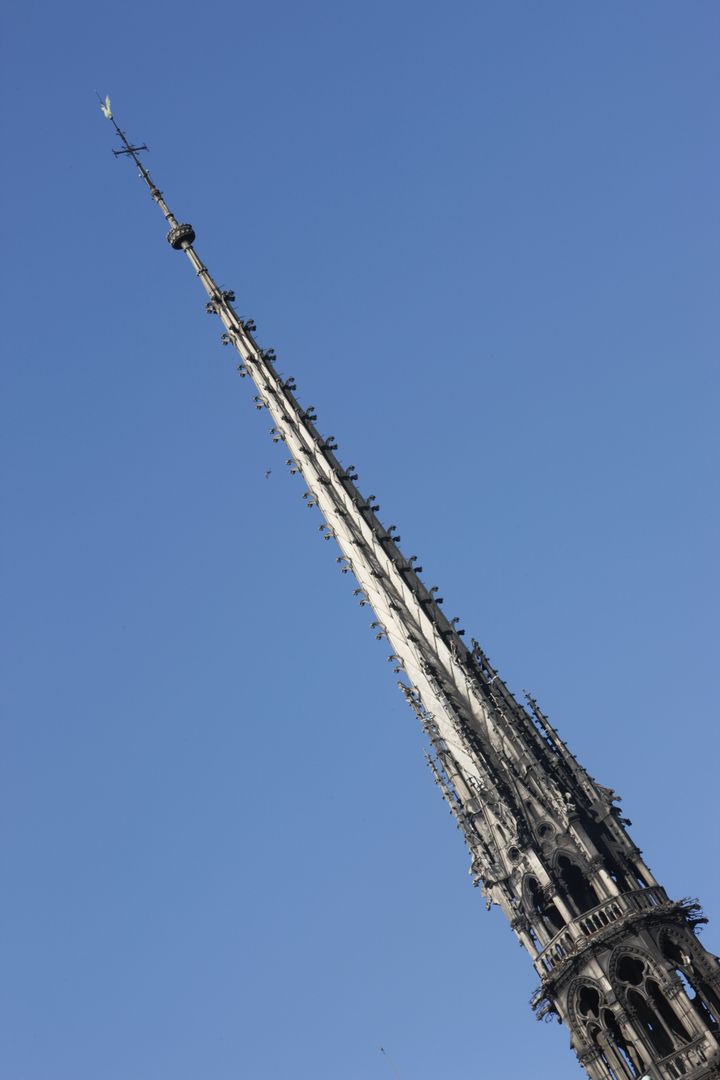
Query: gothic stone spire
column 619, row 962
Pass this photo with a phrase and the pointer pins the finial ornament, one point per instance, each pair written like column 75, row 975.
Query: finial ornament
column 181, row 236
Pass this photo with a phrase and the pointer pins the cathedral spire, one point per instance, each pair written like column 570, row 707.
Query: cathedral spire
column 618, row 960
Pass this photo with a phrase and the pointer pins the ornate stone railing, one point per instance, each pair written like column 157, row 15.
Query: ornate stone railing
column 594, row 922
column 683, row 1064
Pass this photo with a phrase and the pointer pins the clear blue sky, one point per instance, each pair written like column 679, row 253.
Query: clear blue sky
column 484, row 238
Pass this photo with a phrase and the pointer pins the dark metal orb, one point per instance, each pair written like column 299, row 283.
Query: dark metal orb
column 181, row 236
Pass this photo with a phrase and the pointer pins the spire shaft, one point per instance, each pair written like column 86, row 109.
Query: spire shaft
column 545, row 841
column 487, row 732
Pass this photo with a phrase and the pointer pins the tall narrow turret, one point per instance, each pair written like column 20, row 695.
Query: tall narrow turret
column 619, row 962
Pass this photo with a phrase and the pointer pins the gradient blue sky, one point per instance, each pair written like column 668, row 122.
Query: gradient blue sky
column 484, row 239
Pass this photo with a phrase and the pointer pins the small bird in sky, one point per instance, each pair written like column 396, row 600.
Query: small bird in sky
column 267, row 473
column 105, row 108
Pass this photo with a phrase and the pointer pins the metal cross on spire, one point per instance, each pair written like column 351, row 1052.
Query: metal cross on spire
column 546, row 842
column 178, row 232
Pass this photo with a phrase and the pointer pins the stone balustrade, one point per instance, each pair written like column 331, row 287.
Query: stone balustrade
column 594, row 922
column 684, row 1063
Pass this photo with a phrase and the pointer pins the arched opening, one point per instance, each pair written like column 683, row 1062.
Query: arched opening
column 641, row 877
column 599, row 1041
column 660, row 1022
column 702, row 997
column 629, row 1055
column 650, row 1023
column 667, row 1013
column 551, row 918
column 708, row 1002
column 630, row 970
column 675, row 954
column 620, row 1060
column 589, row 1002
column 576, row 885
column 534, row 938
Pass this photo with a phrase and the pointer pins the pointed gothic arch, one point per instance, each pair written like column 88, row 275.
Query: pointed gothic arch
column 574, row 880
column 642, row 987
column 689, row 962
column 539, row 907
column 599, row 1032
